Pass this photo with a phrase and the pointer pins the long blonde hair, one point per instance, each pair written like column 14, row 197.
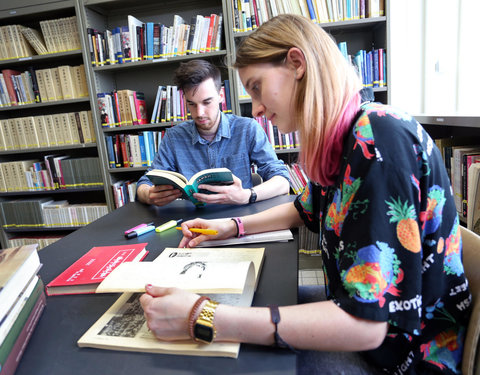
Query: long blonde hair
column 326, row 99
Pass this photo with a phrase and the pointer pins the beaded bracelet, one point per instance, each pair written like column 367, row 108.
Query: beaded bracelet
column 279, row 342
column 193, row 313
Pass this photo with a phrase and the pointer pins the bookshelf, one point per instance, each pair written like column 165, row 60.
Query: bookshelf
column 142, row 75
column 359, row 34
column 27, row 144
column 451, row 130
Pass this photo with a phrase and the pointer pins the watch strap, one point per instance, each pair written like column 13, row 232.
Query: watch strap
column 253, row 196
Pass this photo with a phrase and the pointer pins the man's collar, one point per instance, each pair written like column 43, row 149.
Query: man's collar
column 222, row 131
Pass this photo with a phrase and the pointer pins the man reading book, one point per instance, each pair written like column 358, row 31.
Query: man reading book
column 214, row 140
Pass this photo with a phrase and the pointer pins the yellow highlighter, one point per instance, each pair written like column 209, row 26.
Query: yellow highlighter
column 168, row 225
column 201, row 231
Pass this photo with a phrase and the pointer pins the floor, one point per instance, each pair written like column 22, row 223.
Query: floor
column 310, row 269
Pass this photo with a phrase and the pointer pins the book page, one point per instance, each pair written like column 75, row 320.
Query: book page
column 273, row 236
column 159, row 177
column 233, row 255
column 195, row 274
column 123, row 327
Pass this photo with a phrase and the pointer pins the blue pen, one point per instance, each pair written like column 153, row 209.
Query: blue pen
column 140, row 231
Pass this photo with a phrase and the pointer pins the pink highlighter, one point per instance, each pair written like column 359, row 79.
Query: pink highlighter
column 137, row 227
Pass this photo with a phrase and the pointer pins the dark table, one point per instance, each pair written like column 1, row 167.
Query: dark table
column 53, row 348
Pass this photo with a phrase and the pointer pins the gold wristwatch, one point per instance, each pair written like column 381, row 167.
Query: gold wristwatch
column 204, row 329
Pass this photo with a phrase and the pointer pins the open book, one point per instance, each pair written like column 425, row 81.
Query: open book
column 214, row 176
column 273, row 236
column 123, row 326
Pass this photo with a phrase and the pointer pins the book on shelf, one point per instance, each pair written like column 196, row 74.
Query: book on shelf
column 19, row 334
column 473, row 213
column 123, row 325
column 213, row 176
column 468, row 160
column 8, row 75
column 18, row 265
column 457, row 171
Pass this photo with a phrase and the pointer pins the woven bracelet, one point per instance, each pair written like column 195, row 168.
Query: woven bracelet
column 193, row 313
column 279, row 342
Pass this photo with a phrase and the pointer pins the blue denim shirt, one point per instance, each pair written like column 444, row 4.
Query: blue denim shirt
column 239, row 142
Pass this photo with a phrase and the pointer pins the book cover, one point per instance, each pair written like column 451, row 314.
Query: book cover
column 140, row 107
column 133, row 23
column 8, row 77
column 214, row 176
column 123, row 326
column 88, row 271
column 17, row 267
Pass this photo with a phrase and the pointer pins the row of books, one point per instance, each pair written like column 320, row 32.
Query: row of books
column 250, row 14
column 149, row 40
column 298, row 177
column 42, row 85
column 47, row 131
column 53, row 173
column 124, row 191
column 40, row 213
column 171, row 105
column 41, row 241
column 13, row 43
column 23, row 301
column 133, row 150
column 56, row 35
column 462, row 162
column 122, row 108
column 371, row 67
column 308, row 242
column 278, row 140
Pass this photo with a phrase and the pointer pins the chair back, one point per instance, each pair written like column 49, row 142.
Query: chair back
column 471, row 264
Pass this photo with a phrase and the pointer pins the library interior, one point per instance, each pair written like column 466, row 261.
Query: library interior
column 88, row 92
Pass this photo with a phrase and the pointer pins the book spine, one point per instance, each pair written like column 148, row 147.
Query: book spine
column 14, row 335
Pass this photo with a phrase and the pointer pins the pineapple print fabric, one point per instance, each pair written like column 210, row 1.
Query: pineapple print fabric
column 391, row 243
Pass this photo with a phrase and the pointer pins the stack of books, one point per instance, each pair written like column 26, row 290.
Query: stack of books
column 23, row 300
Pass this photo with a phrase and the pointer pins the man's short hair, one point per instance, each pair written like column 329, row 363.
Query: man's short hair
column 192, row 73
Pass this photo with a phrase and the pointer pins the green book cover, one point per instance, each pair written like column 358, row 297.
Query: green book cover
column 214, row 176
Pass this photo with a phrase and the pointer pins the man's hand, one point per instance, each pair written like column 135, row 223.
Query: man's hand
column 159, row 195
column 231, row 194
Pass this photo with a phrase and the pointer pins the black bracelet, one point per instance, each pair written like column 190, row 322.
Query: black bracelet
column 236, row 224
column 279, row 342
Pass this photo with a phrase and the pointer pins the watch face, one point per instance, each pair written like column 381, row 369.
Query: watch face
column 203, row 333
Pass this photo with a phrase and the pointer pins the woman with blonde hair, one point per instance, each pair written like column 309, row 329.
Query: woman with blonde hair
column 379, row 197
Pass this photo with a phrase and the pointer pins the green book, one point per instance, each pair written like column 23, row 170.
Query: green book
column 17, row 327
column 214, row 176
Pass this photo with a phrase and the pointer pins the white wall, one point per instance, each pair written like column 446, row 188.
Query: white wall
column 434, row 48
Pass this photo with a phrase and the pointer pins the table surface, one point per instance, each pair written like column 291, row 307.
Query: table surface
column 53, row 350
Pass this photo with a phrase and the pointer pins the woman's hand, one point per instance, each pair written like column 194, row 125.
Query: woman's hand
column 226, row 228
column 167, row 311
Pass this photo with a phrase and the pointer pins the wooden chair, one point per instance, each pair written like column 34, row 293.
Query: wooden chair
column 471, row 263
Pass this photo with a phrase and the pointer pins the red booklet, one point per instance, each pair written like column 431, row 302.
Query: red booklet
column 86, row 273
